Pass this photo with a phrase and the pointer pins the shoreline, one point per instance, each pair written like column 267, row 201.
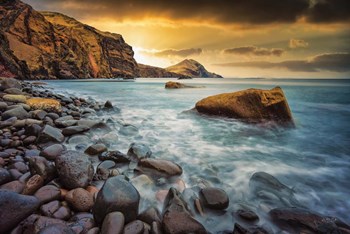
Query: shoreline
column 35, row 162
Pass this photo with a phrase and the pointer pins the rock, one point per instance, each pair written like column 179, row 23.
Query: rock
column 62, row 213
column 48, row 193
column 65, row 121
column 32, row 130
column 69, row 131
column 116, row 156
column 50, row 208
column 39, row 114
column 39, row 165
column 150, row 215
column 135, row 227
column 17, row 112
column 298, row 220
column 52, row 151
column 238, row 229
column 113, row 223
column 252, row 105
column 3, row 106
column 79, row 139
column 33, row 184
column 13, row 186
column 50, row 134
column 7, row 83
column 29, row 140
column 138, row 151
column 174, row 85
column 117, row 194
column 214, row 198
column 74, row 169
column 247, row 215
column 141, row 182
column 94, row 230
column 177, row 218
column 80, row 199
column 158, row 168
column 46, row 104
column 108, row 164
column 14, row 208
column 15, row 98
column 4, row 176
column 92, row 124
column 35, row 223
column 13, row 91
column 96, row 149
column 261, row 183
column 84, row 220
column 108, row 105
column 57, row 229
column 156, row 228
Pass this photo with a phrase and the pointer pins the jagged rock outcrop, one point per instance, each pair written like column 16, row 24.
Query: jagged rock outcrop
column 251, row 105
column 147, row 71
column 188, row 68
column 46, row 45
column 191, row 68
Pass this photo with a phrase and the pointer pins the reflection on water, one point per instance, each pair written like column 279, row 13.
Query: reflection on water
column 313, row 159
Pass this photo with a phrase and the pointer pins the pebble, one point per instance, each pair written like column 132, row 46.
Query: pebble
column 113, row 223
column 80, row 199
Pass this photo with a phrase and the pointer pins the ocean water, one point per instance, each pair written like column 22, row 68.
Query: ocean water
column 313, row 159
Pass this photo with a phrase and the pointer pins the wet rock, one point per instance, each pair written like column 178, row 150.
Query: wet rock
column 57, row 229
column 138, row 151
column 80, row 199
column 74, row 169
column 52, row 151
column 262, row 183
column 17, row 112
column 35, row 223
column 92, row 124
column 83, row 220
column 15, row 98
column 46, row 104
column 39, row 165
column 142, row 181
column 33, row 184
column 156, row 228
column 238, row 229
column 14, row 208
column 69, row 131
column 32, row 153
column 13, row 186
column 177, row 217
column 79, row 139
column 108, row 164
column 62, row 213
column 96, row 149
column 135, row 227
column 8, row 83
column 94, row 230
column 159, row 168
column 214, row 198
column 298, row 220
column 50, row 208
column 116, row 156
column 108, row 105
column 53, row 115
column 174, row 85
column 48, row 193
column 13, row 91
column 150, row 215
column 113, row 223
column 50, row 134
column 65, row 121
column 128, row 130
column 8, row 123
column 32, row 130
column 252, row 105
column 39, row 114
column 3, row 106
column 29, row 140
column 247, row 215
column 5, row 176
column 117, row 194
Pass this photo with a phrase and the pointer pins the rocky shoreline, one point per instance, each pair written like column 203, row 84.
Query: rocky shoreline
column 47, row 187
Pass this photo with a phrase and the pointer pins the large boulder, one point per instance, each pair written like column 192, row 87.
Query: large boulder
column 295, row 220
column 158, row 168
column 117, row 194
column 74, row 169
column 14, row 208
column 177, row 218
column 18, row 112
column 214, row 198
column 251, row 105
column 7, row 83
column 15, row 98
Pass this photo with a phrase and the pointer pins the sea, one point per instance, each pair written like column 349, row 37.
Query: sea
column 312, row 159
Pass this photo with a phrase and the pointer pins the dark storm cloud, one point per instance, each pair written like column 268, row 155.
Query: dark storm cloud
column 254, row 51
column 218, row 11
column 335, row 62
column 179, row 53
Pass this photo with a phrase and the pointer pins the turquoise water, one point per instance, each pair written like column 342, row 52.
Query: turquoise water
column 313, row 158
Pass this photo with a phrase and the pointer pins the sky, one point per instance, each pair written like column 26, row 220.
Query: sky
column 234, row 38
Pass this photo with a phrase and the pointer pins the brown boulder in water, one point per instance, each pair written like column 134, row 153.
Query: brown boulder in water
column 252, row 105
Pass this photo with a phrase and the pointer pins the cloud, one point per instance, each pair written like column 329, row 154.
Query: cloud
column 334, row 62
column 218, row 11
column 297, row 43
column 177, row 53
column 254, row 51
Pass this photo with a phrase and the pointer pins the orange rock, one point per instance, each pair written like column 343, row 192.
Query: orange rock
column 33, row 184
column 80, row 199
column 46, row 104
column 63, row 193
column 92, row 189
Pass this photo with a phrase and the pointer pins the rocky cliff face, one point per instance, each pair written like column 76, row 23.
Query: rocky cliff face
column 192, row 68
column 50, row 45
column 147, row 71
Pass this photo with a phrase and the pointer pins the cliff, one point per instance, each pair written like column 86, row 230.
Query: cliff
column 188, row 68
column 192, row 68
column 46, row 45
